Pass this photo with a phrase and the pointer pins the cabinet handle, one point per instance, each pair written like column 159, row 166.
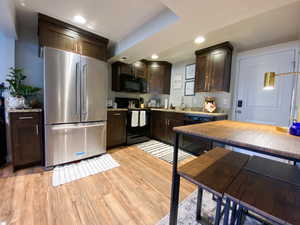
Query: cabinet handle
column 117, row 114
column 37, row 129
column 26, row 118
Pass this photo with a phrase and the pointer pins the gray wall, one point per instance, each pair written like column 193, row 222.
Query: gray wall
column 27, row 49
column 7, row 55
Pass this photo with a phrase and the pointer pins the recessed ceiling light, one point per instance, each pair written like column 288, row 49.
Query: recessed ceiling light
column 23, row 4
column 79, row 19
column 199, row 40
column 154, row 56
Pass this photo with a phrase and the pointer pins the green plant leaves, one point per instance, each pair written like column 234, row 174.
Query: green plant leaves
column 16, row 87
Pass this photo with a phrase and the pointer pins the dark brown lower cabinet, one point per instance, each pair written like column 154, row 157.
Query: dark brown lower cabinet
column 26, row 135
column 163, row 124
column 116, row 128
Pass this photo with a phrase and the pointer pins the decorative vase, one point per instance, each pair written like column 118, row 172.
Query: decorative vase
column 295, row 129
column 16, row 102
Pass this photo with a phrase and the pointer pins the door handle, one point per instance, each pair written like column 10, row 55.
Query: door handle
column 84, row 72
column 25, row 118
column 76, row 88
column 78, row 126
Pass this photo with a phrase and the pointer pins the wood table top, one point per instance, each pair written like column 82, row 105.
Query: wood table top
column 272, row 198
column 253, row 136
column 215, row 170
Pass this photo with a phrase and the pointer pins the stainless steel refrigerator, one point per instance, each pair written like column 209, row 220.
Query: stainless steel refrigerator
column 75, row 93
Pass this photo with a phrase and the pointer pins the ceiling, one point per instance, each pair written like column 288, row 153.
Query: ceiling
column 272, row 27
column 139, row 28
column 113, row 19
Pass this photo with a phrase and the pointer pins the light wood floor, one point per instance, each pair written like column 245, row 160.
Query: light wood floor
column 137, row 192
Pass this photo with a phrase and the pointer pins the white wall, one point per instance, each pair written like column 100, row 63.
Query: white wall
column 7, row 55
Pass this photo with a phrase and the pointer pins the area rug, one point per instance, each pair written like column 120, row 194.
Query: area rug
column 162, row 151
column 187, row 212
column 75, row 171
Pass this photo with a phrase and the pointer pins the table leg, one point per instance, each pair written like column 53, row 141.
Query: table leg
column 239, row 216
column 226, row 212
column 218, row 211
column 199, row 204
column 175, row 185
column 233, row 214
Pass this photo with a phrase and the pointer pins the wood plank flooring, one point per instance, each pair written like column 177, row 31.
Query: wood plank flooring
column 137, row 192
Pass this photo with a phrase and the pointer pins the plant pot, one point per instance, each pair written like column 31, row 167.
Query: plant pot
column 16, row 102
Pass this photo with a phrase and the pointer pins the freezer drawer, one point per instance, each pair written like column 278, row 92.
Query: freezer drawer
column 71, row 142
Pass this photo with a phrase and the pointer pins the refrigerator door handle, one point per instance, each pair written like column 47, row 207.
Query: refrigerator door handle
column 76, row 89
column 84, row 74
column 78, row 126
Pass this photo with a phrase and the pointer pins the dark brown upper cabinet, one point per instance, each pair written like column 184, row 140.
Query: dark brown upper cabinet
column 139, row 69
column 57, row 34
column 159, row 77
column 213, row 68
column 117, row 69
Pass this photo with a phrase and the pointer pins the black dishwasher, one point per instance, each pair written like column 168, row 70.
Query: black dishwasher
column 196, row 145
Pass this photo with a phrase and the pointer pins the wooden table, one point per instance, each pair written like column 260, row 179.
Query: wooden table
column 259, row 138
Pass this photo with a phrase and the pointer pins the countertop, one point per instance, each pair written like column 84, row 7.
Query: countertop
column 118, row 109
column 191, row 112
column 23, row 110
column 176, row 111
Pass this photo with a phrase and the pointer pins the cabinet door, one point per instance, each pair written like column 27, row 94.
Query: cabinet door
column 217, row 70
column 125, row 69
column 26, row 139
column 202, row 76
column 156, row 78
column 92, row 48
column 140, row 70
column 56, row 37
column 171, row 123
column 159, row 76
column 158, row 125
column 116, row 128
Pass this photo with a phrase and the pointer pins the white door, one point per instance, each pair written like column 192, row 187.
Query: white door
column 253, row 102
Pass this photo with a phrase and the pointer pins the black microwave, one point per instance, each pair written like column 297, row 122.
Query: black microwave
column 129, row 83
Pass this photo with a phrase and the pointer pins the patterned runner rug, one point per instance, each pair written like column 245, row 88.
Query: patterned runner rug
column 162, row 151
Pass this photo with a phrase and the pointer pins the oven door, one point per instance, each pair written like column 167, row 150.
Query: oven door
column 137, row 134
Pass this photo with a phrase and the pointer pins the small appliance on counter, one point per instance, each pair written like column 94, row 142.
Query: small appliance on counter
column 210, row 105
column 109, row 103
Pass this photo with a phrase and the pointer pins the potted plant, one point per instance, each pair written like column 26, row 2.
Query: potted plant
column 17, row 90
